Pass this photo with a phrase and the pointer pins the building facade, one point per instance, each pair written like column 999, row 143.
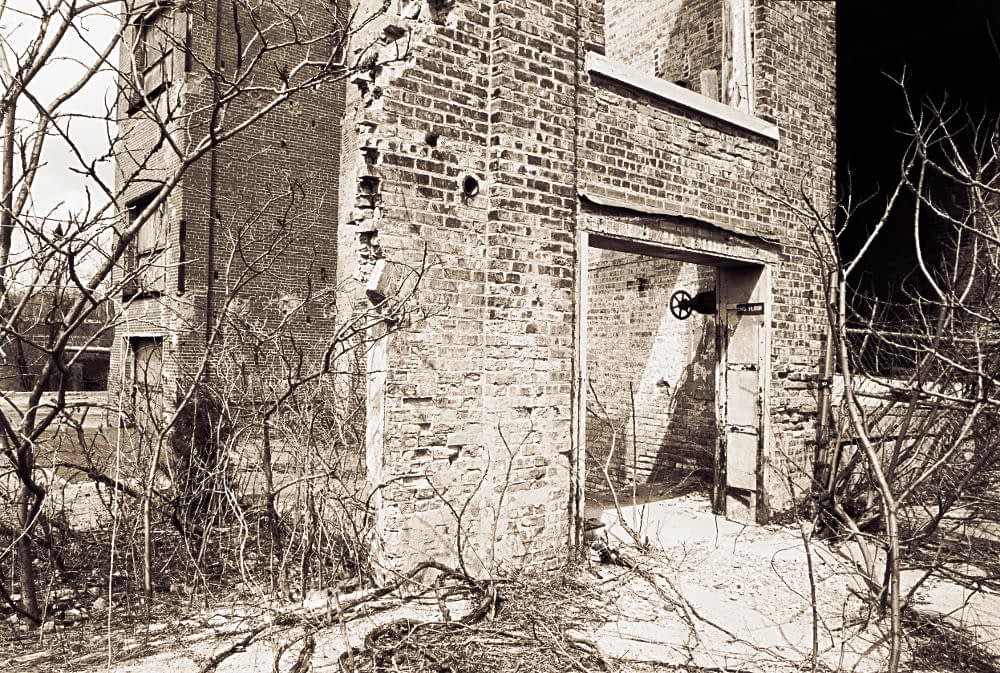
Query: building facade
column 494, row 162
column 242, row 242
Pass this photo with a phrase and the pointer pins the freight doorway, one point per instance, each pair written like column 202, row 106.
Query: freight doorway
column 673, row 355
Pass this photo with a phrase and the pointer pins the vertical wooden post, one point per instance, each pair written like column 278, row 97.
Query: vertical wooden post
column 578, row 452
column 727, row 51
column 737, row 55
column 721, row 340
column 709, row 85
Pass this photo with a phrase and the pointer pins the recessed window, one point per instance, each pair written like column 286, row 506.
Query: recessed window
column 701, row 45
column 152, row 51
column 146, row 263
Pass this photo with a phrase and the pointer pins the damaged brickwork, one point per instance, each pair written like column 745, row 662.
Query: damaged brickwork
column 477, row 147
column 471, row 411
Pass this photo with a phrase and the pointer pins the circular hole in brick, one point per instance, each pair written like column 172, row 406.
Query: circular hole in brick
column 432, row 139
column 470, row 186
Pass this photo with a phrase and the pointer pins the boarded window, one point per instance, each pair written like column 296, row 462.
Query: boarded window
column 146, row 265
column 152, row 51
column 146, row 375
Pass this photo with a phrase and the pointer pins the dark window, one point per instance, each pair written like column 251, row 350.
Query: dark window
column 91, row 371
column 88, row 372
column 146, row 260
column 152, row 51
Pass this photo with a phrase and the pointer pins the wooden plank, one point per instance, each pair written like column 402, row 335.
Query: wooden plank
column 744, row 338
column 743, row 364
column 721, row 337
column 741, row 463
column 709, row 83
column 740, row 86
column 743, row 397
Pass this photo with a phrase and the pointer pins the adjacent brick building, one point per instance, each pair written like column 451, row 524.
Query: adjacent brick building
column 516, row 148
column 244, row 241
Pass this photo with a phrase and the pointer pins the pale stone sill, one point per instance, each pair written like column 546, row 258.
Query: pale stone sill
column 620, row 72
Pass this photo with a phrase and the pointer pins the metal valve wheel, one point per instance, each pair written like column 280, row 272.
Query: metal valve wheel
column 680, row 305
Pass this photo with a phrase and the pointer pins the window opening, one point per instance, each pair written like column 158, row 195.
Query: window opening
column 146, row 261
column 152, row 52
column 701, row 45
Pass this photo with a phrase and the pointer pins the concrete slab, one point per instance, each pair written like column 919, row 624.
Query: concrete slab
column 741, row 593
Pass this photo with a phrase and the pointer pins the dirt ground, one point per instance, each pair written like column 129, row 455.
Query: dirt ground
column 696, row 593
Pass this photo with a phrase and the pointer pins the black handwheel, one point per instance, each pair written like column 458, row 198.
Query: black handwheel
column 680, row 305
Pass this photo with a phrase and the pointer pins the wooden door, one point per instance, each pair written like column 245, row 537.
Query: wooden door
column 147, row 394
column 742, row 343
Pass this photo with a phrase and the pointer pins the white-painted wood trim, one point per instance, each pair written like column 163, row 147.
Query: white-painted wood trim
column 661, row 88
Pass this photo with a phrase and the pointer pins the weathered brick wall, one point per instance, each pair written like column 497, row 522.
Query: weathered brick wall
column 462, row 161
column 795, row 58
column 672, row 39
column 661, row 158
column 257, row 234
column 636, row 32
column 469, row 421
column 634, row 340
column 475, row 399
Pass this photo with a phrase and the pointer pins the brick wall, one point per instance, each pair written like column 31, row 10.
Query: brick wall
column 475, row 399
column 660, row 158
column 672, row 39
column 470, row 403
column 269, row 247
column 633, row 340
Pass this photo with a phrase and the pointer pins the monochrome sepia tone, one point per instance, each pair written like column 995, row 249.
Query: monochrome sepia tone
column 403, row 300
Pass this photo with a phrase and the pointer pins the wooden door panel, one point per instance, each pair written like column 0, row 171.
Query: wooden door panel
column 741, row 389
column 742, row 397
column 741, row 466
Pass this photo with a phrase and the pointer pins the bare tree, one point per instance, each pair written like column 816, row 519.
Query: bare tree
column 175, row 103
column 907, row 447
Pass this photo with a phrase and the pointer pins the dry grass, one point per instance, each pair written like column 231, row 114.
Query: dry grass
column 937, row 645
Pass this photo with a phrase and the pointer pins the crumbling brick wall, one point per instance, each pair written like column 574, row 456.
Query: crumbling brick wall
column 644, row 363
column 470, row 408
column 483, row 153
column 476, row 147
column 673, row 39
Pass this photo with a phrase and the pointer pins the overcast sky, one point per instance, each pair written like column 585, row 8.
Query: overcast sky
column 58, row 188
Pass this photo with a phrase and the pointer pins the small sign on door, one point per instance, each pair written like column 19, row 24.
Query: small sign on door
column 752, row 308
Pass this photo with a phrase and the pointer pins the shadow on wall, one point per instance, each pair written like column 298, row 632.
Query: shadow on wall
column 689, row 438
column 681, row 41
column 651, row 397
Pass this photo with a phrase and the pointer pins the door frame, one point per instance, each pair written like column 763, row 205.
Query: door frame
column 738, row 503
column 738, row 255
